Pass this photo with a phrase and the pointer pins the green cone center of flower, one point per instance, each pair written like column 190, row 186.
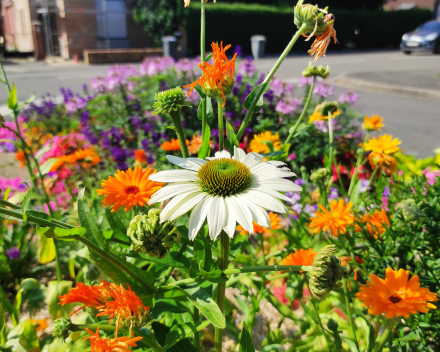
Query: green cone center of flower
column 224, row 177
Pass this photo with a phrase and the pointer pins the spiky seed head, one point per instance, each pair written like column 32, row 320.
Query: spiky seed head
column 319, row 174
column 316, row 71
column 316, row 19
column 328, row 107
column 61, row 328
column 170, row 100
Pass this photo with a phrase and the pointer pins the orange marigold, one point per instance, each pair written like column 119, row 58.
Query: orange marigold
column 21, row 158
column 118, row 344
column 274, row 225
column 376, row 223
column 300, row 257
column 372, row 123
column 379, row 159
column 90, row 296
column 217, row 80
column 128, row 188
column 384, row 144
column 140, row 156
column 336, row 220
column 172, row 146
column 396, row 295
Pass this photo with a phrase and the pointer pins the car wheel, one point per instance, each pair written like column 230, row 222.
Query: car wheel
column 437, row 48
column 407, row 52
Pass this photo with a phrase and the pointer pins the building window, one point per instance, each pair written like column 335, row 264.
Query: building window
column 111, row 19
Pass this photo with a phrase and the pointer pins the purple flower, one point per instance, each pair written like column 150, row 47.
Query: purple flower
column 238, row 50
column 323, row 89
column 136, row 122
column 386, row 192
column 284, row 108
column 247, row 67
column 323, row 125
column 365, row 186
column 333, row 194
column 305, row 81
column 156, row 138
column 348, row 97
column 13, row 253
column 145, row 143
column 277, row 87
column 154, row 65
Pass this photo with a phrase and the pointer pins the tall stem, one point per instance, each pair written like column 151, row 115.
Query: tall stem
column 350, row 317
column 197, row 333
column 223, row 262
column 202, row 58
column 175, row 117
column 220, row 125
column 330, row 135
column 385, row 335
column 303, row 113
column 358, row 164
column 267, row 80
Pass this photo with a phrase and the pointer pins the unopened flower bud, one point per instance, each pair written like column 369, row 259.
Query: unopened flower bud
column 316, row 71
column 319, row 174
column 169, row 101
column 313, row 17
column 151, row 237
column 326, row 273
column 215, row 91
column 409, row 209
column 328, row 107
column 61, row 329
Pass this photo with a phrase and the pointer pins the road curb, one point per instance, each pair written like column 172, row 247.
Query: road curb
column 375, row 87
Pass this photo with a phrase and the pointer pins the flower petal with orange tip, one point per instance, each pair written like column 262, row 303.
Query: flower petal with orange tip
column 90, row 296
column 118, row 344
column 336, row 220
column 128, row 188
column 372, row 123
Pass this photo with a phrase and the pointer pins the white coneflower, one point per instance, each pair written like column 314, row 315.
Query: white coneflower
column 225, row 190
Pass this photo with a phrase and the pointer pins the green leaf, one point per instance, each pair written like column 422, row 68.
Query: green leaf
column 26, row 335
column 27, row 198
column 333, row 327
column 45, row 168
column 55, row 289
column 250, row 98
column 184, row 330
column 209, row 57
column 27, row 101
column 8, row 306
column 116, row 224
column 204, row 149
column 213, row 276
column 161, row 331
column 45, row 249
column 59, row 233
column 174, row 258
column 231, row 138
column 2, row 319
column 244, row 259
column 209, row 109
column 203, row 301
column 273, row 154
column 87, row 220
column 246, row 344
column 12, row 98
column 168, row 305
column 302, row 126
column 6, row 193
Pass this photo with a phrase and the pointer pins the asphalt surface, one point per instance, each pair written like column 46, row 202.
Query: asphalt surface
column 416, row 121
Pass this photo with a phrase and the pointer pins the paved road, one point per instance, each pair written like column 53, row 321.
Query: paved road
column 415, row 121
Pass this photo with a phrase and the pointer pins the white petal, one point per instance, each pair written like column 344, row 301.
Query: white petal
column 278, row 184
column 272, row 193
column 242, row 214
column 198, row 161
column 222, row 154
column 174, row 176
column 198, row 217
column 259, row 215
column 231, row 222
column 275, row 163
column 172, row 190
column 239, row 154
column 217, row 217
column 265, row 201
column 183, row 163
column 175, row 203
column 252, row 159
column 186, row 205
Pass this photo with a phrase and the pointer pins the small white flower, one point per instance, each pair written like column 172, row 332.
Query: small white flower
column 225, row 190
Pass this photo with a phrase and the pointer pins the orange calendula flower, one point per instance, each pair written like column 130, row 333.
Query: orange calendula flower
column 128, row 188
column 83, row 155
column 346, row 259
column 140, row 156
column 336, row 220
column 21, row 158
column 384, row 144
column 300, row 257
column 274, row 225
column 319, row 47
column 217, row 80
column 257, row 144
column 379, row 159
column 90, row 296
column 396, row 295
column 118, row 344
column 372, row 123
column 172, row 146
column 41, row 324
column 376, row 223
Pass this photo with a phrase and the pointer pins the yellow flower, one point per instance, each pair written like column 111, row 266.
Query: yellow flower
column 317, row 116
column 274, row 225
column 258, row 146
column 384, row 144
column 372, row 123
column 300, row 257
column 396, row 296
column 335, row 220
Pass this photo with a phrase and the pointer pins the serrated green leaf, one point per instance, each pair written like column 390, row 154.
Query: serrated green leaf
column 231, row 140
column 250, row 98
column 27, row 198
column 182, row 331
column 59, row 233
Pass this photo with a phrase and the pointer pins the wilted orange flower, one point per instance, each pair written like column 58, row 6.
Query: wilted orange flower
column 372, row 123
column 319, row 47
column 379, row 159
column 41, row 324
column 384, row 144
column 172, row 146
column 257, row 144
column 375, row 223
column 90, row 296
column 118, row 344
column 274, row 225
column 300, row 257
column 396, row 296
column 128, row 188
column 335, row 220
column 140, row 156
column 21, row 158
column 217, row 80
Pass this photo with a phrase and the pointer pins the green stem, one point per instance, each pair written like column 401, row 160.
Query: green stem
column 223, row 262
column 303, row 113
column 358, row 164
column 197, row 333
column 327, row 338
column 220, row 125
column 266, row 81
column 349, row 314
column 330, row 134
column 175, row 117
column 384, row 338
column 263, row 276
column 202, row 58
column 92, row 327
column 265, row 268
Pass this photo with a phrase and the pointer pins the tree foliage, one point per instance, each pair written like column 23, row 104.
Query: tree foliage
column 342, row 4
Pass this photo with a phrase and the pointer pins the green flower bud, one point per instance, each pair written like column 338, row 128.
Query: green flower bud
column 319, row 174
column 61, row 329
column 151, row 237
column 169, row 101
column 215, row 91
column 326, row 273
column 316, row 71
column 328, row 107
column 313, row 17
column 409, row 209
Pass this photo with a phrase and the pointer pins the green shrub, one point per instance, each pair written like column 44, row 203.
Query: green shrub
column 238, row 22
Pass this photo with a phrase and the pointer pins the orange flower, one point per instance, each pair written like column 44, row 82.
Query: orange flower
column 196, row 144
column 90, row 296
column 378, row 159
column 85, row 155
column 346, row 259
column 41, row 324
column 125, row 304
column 376, row 223
column 319, row 47
column 172, row 146
column 300, row 257
column 128, row 188
column 335, row 220
column 384, row 144
column 217, row 80
column 140, row 156
column 257, row 144
column 118, row 344
column 372, row 123
column 274, row 225
column 396, row 296
column 21, row 158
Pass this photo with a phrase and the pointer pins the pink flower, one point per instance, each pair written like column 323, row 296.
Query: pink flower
column 385, row 203
column 291, row 157
column 431, row 175
column 280, row 294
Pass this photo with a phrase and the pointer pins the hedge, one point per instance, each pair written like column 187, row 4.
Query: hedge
column 236, row 23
